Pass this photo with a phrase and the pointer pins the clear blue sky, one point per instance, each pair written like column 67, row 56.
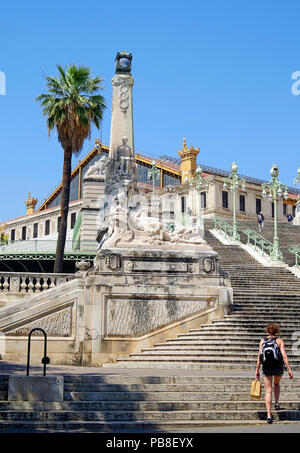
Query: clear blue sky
column 215, row 72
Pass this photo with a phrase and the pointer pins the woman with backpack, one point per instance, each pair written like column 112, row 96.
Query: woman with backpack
column 272, row 356
column 260, row 221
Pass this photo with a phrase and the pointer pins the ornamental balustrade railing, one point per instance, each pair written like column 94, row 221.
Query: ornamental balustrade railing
column 258, row 242
column 24, row 282
column 296, row 251
column 224, row 227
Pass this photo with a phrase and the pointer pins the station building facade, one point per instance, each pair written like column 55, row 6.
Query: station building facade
column 175, row 176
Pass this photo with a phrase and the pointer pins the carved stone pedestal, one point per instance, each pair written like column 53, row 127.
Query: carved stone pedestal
column 135, row 298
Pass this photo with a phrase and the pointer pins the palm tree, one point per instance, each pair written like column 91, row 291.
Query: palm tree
column 72, row 106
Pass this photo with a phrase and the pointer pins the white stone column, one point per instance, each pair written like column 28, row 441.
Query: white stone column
column 122, row 112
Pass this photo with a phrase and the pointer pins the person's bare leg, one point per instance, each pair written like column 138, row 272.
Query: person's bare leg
column 277, row 380
column 268, row 390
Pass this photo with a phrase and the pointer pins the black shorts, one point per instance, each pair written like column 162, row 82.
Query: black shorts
column 272, row 370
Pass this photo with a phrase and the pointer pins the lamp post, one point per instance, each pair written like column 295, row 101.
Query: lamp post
column 233, row 181
column 275, row 189
column 152, row 174
column 199, row 183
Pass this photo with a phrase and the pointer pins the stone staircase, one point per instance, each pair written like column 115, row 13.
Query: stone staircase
column 260, row 295
column 116, row 403
column 221, row 357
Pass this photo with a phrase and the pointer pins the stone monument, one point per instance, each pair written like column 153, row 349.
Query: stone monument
column 147, row 282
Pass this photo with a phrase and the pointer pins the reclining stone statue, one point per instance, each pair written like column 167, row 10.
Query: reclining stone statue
column 124, row 227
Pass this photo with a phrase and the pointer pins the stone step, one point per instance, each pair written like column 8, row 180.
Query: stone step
column 239, row 276
column 275, row 299
column 175, row 379
column 236, row 335
column 253, row 282
column 106, row 416
column 250, row 317
column 252, row 349
column 174, row 342
column 196, row 351
column 245, row 311
column 284, row 322
column 285, row 326
column 136, row 426
column 269, row 301
column 81, row 407
column 198, row 356
column 264, row 306
column 182, row 365
column 259, row 303
column 239, row 273
column 263, row 286
column 192, row 357
column 166, row 396
column 229, row 388
column 250, row 328
column 257, row 295
column 261, row 271
column 277, row 295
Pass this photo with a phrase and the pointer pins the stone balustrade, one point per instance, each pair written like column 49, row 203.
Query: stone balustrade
column 24, row 282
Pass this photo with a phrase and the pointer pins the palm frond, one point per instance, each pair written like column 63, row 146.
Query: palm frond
column 73, row 104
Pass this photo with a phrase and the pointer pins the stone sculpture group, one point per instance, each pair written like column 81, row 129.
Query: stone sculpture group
column 126, row 226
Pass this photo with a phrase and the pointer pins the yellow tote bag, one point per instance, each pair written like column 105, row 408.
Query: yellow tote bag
column 255, row 389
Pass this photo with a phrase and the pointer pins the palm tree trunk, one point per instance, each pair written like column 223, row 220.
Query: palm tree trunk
column 65, row 198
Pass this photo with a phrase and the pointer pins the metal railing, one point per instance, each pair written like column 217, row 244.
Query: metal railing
column 224, row 227
column 296, row 251
column 258, row 242
column 43, row 246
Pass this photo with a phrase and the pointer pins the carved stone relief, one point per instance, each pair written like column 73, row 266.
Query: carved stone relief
column 113, row 261
column 57, row 324
column 208, row 265
column 139, row 316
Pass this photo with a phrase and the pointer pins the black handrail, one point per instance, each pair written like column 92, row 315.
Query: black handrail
column 45, row 359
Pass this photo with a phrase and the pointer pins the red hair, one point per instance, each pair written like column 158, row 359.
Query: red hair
column 273, row 329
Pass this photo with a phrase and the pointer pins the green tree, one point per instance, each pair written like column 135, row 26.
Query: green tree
column 72, row 106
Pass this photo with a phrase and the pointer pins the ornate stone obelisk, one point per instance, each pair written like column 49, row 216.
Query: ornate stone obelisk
column 121, row 168
column 122, row 113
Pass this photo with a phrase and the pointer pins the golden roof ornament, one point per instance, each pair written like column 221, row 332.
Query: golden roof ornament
column 30, row 204
column 98, row 145
column 188, row 161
